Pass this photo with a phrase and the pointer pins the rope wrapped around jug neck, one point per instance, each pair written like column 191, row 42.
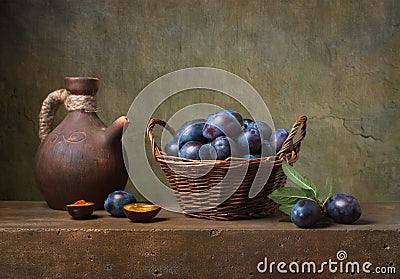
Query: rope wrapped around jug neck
column 52, row 103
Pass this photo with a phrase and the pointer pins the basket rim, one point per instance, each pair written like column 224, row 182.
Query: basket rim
column 283, row 154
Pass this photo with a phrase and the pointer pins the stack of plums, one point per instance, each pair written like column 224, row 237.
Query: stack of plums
column 225, row 134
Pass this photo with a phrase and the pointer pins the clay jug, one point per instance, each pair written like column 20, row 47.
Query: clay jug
column 81, row 158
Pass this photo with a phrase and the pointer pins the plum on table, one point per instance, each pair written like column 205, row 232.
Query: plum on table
column 114, row 204
column 305, row 213
column 343, row 208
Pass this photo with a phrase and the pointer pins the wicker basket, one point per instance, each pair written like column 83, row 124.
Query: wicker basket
column 180, row 175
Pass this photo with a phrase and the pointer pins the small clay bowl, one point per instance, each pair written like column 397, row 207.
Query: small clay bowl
column 81, row 211
column 141, row 212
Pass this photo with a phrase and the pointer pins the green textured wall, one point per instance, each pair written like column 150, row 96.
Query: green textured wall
column 338, row 62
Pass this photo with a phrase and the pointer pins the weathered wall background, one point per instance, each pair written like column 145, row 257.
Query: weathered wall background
column 338, row 62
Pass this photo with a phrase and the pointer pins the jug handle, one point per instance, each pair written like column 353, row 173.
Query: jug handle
column 52, row 102
column 49, row 108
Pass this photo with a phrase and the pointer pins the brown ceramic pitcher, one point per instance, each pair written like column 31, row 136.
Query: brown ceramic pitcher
column 81, row 158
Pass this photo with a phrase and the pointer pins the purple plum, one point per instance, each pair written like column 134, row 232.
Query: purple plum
column 249, row 142
column 343, row 208
column 246, row 123
column 263, row 128
column 223, row 123
column 207, row 152
column 278, row 137
column 190, row 150
column 115, row 202
column 305, row 213
column 171, row 148
column 224, row 146
column 190, row 131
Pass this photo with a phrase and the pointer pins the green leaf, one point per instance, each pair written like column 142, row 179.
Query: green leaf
column 296, row 178
column 312, row 185
column 288, row 195
column 285, row 219
column 286, row 208
column 309, row 194
column 329, row 186
column 329, row 190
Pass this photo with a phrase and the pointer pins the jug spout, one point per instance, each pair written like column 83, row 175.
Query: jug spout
column 114, row 132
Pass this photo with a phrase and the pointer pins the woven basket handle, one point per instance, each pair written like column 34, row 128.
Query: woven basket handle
column 301, row 124
column 155, row 150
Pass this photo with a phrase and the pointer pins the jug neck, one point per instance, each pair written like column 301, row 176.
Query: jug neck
column 82, row 85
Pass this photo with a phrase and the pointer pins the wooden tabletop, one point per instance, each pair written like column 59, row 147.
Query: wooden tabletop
column 38, row 242
column 36, row 215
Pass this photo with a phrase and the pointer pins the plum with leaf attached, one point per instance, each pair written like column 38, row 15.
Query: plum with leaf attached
column 305, row 213
column 343, row 208
column 303, row 202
